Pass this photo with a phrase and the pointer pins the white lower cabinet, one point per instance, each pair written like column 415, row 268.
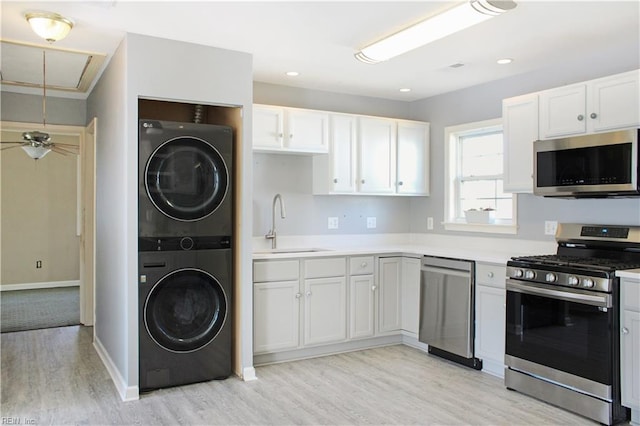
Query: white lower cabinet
column 325, row 310
column 281, row 320
column 630, row 345
column 361, row 306
column 390, row 294
column 490, row 317
column 410, row 295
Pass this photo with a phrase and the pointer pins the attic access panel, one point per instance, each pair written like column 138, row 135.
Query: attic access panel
column 67, row 70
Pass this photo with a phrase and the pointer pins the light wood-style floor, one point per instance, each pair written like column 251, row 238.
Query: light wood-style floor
column 54, row 376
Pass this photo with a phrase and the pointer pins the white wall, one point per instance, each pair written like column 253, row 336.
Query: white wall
column 182, row 72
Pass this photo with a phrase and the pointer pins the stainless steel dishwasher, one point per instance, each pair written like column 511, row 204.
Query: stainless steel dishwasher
column 447, row 292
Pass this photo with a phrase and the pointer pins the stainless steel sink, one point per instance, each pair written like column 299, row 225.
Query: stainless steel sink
column 290, row 250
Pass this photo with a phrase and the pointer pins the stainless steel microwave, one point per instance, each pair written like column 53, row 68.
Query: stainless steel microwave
column 590, row 166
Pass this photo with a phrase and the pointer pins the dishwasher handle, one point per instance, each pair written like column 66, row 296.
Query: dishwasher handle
column 453, row 272
column 448, row 263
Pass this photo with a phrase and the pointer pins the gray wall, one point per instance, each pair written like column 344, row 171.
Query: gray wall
column 222, row 77
column 307, row 214
column 484, row 102
column 25, row 108
column 291, row 175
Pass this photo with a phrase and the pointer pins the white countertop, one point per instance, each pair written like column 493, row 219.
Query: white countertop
column 629, row 273
column 481, row 249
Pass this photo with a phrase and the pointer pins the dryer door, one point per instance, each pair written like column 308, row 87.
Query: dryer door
column 186, row 178
column 185, row 310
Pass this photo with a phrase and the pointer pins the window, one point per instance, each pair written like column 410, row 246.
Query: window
column 474, row 171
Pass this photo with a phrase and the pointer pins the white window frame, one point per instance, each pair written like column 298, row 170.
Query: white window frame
column 451, row 223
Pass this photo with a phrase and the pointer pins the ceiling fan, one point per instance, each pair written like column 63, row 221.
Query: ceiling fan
column 52, row 27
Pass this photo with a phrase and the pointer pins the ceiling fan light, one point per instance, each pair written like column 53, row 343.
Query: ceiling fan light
column 439, row 26
column 50, row 26
column 36, row 152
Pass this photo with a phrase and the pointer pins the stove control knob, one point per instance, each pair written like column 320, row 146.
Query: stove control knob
column 518, row 273
column 529, row 274
column 551, row 277
column 572, row 280
column 588, row 283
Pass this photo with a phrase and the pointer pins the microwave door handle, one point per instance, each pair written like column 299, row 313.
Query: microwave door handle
column 587, row 299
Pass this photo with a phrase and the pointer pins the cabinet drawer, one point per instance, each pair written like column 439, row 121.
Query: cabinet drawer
column 325, row 267
column 276, row 270
column 491, row 274
column 631, row 295
column 361, row 265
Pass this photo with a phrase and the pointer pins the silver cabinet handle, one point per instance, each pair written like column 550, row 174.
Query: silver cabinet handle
column 362, row 181
column 308, row 293
column 625, row 330
column 400, row 183
column 298, row 295
column 593, row 115
column 373, row 288
column 335, row 180
column 280, row 135
column 290, row 135
column 363, row 264
column 490, row 274
column 580, row 117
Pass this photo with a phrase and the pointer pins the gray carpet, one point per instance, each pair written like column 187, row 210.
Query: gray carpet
column 43, row 308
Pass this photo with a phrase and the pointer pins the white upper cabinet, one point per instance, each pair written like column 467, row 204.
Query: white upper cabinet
column 604, row 104
column 377, row 159
column 342, row 154
column 520, row 128
column 413, row 158
column 282, row 129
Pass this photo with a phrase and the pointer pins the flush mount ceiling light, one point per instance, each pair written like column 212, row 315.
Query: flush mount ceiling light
column 504, row 61
column 292, row 73
column 50, row 26
column 451, row 21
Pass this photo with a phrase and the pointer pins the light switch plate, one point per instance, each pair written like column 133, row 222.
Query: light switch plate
column 550, row 227
column 332, row 223
column 371, row 222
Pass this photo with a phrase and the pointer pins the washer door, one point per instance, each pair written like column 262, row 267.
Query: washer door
column 186, row 178
column 185, row 310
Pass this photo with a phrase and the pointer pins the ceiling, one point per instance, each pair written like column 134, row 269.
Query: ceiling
column 319, row 38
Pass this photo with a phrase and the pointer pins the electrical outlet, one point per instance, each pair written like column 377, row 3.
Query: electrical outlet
column 550, row 227
column 332, row 223
column 371, row 222
column 430, row 223
column 38, row 264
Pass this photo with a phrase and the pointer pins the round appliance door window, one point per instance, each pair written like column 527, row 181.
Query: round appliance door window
column 186, row 178
column 185, row 310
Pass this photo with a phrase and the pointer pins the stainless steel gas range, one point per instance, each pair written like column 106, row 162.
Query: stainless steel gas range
column 562, row 321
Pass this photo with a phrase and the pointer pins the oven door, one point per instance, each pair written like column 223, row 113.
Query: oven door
column 568, row 330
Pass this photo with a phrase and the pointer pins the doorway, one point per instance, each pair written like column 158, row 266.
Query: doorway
column 47, row 223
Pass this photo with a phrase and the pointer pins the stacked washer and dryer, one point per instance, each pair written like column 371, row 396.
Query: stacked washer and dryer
column 185, row 222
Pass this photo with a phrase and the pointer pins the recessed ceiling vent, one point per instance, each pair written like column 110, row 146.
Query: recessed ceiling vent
column 456, row 65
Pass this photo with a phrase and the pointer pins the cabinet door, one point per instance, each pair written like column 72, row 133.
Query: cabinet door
column 390, row 294
column 413, row 158
column 614, row 102
column 377, row 155
column 630, row 362
column 307, row 130
column 562, row 111
column 276, row 316
column 268, row 127
column 325, row 310
column 520, row 125
column 410, row 294
column 490, row 328
column 342, row 153
column 361, row 306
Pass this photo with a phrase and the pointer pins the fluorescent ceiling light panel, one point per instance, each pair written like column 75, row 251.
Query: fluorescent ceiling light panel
column 451, row 21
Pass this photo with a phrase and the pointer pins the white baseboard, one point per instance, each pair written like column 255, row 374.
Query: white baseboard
column 249, row 374
column 127, row 393
column 33, row 286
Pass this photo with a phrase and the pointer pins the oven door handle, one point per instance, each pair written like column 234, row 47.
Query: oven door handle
column 577, row 296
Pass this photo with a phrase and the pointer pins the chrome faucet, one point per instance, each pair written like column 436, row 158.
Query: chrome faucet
column 272, row 233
